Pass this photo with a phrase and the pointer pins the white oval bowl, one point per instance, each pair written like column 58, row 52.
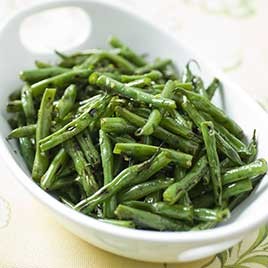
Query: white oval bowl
column 143, row 36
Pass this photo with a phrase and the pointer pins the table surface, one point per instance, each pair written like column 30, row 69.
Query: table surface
column 233, row 35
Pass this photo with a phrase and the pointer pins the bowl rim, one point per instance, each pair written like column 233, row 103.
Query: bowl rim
column 222, row 233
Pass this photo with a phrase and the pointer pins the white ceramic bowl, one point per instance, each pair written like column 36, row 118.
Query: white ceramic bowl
column 141, row 35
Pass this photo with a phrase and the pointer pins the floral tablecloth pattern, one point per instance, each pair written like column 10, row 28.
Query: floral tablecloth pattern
column 232, row 34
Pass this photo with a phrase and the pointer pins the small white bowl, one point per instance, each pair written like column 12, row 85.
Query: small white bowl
column 141, row 35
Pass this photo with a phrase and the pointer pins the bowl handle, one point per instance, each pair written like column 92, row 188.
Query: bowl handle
column 11, row 28
column 206, row 251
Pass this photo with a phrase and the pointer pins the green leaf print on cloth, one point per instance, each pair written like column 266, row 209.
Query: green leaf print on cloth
column 235, row 257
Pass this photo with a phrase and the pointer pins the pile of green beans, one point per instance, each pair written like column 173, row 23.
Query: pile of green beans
column 131, row 142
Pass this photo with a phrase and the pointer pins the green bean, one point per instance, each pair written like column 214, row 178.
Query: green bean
column 75, row 59
column 91, row 61
column 73, row 128
column 179, row 172
column 126, row 224
column 206, row 179
column 24, row 131
column 227, row 149
column 116, row 125
column 141, row 190
column 199, row 87
column 221, row 143
column 49, row 177
column 208, row 215
column 185, row 200
column 114, row 75
column 238, row 199
column 28, row 104
column 155, row 164
column 90, row 152
column 168, row 90
column 69, row 61
column 59, row 81
column 186, row 86
column 41, row 64
column 143, row 151
column 123, row 64
column 122, row 139
column 126, row 52
column 26, row 147
column 192, row 112
column 110, row 109
column 13, row 122
column 14, row 106
column 27, row 151
column 188, row 75
column 157, row 65
column 144, row 219
column 41, row 160
column 180, row 120
column 63, row 182
column 208, row 132
column 237, row 144
column 133, row 174
column 256, row 180
column 175, row 191
column 141, row 111
column 74, row 192
column 118, row 164
column 157, row 87
column 66, row 202
column 178, row 212
column 204, row 226
column 153, row 197
column 254, row 169
column 183, row 144
column 205, row 105
column 141, row 83
column 147, row 140
column 97, row 115
column 226, row 165
column 237, row 188
column 110, row 189
column 109, row 205
column 70, row 193
column 151, row 124
column 35, row 75
column 130, row 92
column 252, row 149
column 155, row 116
column 67, row 132
column 66, row 102
column 87, row 179
column 214, row 85
column 87, row 105
column 59, row 123
column 153, row 75
column 67, row 169
column 15, row 95
column 175, row 127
